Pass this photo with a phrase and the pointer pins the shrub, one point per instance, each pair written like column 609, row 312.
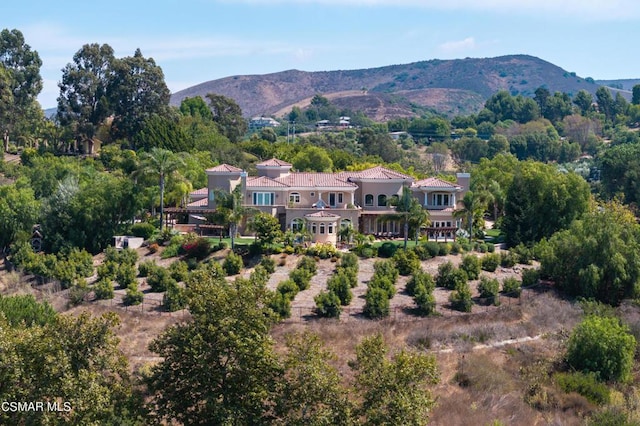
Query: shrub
column 376, row 303
column 126, row 275
column 328, row 304
column 133, row 296
column 471, row 265
column 280, row 304
column 103, row 290
column 387, row 249
column 147, row 267
column 586, row 385
column 511, row 287
column 508, row 259
column 490, row 262
column 302, row 277
column 349, row 260
column 449, row 276
column 233, row 264
column 406, row 261
column 323, row 251
column 425, row 300
column 159, row 280
column 142, row 230
column 78, row 291
column 421, row 252
column 489, row 289
column 198, row 248
column 24, row 308
column 385, row 268
column 602, row 346
column 530, row 277
column 482, row 248
column 288, row 288
column 340, row 284
column 491, row 247
column 432, row 247
column 420, row 279
column 524, row 255
column 308, row 263
column 259, row 276
column 444, row 249
column 179, row 270
column 456, row 248
column 269, row 264
column 174, row 298
column 460, row 299
column 384, row 283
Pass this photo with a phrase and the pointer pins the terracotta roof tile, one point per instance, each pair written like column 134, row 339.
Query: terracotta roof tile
column 377, row 172
column 274, row 162
column 433, row 182
column 224, row 168
column 199, row 203
column 262, row 182
column 311, row 180
column 202, row 192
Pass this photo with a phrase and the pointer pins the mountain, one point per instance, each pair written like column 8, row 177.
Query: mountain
column 622, row 84
column 451, row 87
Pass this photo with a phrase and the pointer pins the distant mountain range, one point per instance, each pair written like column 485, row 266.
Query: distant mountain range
column 451, row 87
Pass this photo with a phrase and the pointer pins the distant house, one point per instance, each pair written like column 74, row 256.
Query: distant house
column 257, row 123
column 323, row 203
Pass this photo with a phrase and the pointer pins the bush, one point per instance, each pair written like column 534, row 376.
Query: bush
column 323, row 251
column 126, row 275
column 530, row 277
column 159, row 280
column 586, row 385
column 179, row 270
column 387, row 249
column 385, row 268
column 146, row 268
column 308, row 263
column 432, row 247
column 490, row 262
column 198, row 248
column 421, row 252
column 471, row 265
column 602, row 346
column 133, row 296
column 259, row 276
column 482, row 248
column 508, row 259
column 376, row 303
column 456, row 248
column 269, row 264
column 420, row 279
column 288, row 288
column 444, row 249
column 280, row 304
column 302, row 277
column 511, row 287
column 174, row 298
column 489, row 289
column 25, row 308
column 460, row 299
column 425, row 300
column 233, row 264
column 406, row 261
column 449, row 276
column 77, row 292
column 524, row 255
column 384, row 283
column 328, row 304
column 142, row 230
column 491, row 248
column 103, row 290
column 340, row 284
column 350, row 261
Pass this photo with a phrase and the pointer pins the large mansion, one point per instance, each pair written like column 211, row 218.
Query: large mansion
column 324, row 202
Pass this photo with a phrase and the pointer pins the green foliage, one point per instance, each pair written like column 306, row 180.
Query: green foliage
column 586, row 385
column 269, row 264
column 133, row 296
column 449, row 276
column 511, row 287
column 179, row 270
column 419, row 278
column 259, row 275
column 160, row 279
column 393, row 391
column 302, row 277
column 433, row 248
column 385, row 268
column 280, row 304
column 490, row 262
column 24, row 309
column 602, row 346
column 308, row 263
column 598, row 257
column 103, row 290
column 387, row 249
column 530, row 277
column 143, row 230
column 376, row 303
column 174, row 298
column 125, row 275
column 460, row 299
column 349, row 261
column 340, row 284
column 312, row 159
column 267, row 228
column 198, row 248
column 288, row 288
column 406, row 262
column 508, row 259
column 489, row 288
column 146, row 268
column 471, row 265
column 18, row 212
column 323, row 251
column 328, row 304
column 233, row 264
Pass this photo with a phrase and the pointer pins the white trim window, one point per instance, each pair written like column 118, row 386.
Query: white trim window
column 294, row 197
column 263, row 198
column 382, row 200
column 441, row 200
column 368, row 200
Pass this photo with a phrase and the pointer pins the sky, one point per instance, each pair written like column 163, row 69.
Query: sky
column 194, row 41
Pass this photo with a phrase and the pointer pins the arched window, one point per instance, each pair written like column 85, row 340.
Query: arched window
column 382, row 200
column 368, row 200
column 294, row 197
column 297, row 225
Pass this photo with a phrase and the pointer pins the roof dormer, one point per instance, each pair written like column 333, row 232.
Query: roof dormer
column 274, row 168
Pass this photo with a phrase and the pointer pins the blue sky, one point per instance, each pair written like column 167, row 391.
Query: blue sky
column 199, row 40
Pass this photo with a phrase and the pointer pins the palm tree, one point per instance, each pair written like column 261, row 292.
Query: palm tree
column 410, row 212
column 162, row 163
column 473, row 206
column 231, row 211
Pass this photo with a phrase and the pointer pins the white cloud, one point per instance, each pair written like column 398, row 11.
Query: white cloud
column 589, row 9
column 456, row 46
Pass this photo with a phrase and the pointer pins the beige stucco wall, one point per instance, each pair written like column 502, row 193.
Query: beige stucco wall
column 311, row 196
column 377, row 188
column 225, row 182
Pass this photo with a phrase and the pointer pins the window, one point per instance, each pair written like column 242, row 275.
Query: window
column 440, row 199
column 322, row 228
column 368, row 200
column 313, row 228
column 330, row 230
column 263, row 198
column 382, row 200
column 212, row 195
column 339, row 197
column 332, row 199
column 297, row 225
column 294, row 197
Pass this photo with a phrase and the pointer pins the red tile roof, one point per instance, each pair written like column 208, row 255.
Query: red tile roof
column 433, row 182
column 312, row 180
column 274, row 162
column 377, row 172
column 262, row 182
column 202, row 192
column 224, row 168
column 199, row 203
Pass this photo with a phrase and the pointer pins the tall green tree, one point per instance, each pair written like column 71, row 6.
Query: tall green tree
column 266, row 227
column 19, row 211
column 635, row 95
column 83, row 102
column 231, row 211
column 584, row 102
column 620, row 167
column 220, row 368
column 605, row 103
column 137, row 91
column 196, row 107
column 472, row 207
column 227, row 114
column 312, row 158
column 161, row 163
column 22, row 74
